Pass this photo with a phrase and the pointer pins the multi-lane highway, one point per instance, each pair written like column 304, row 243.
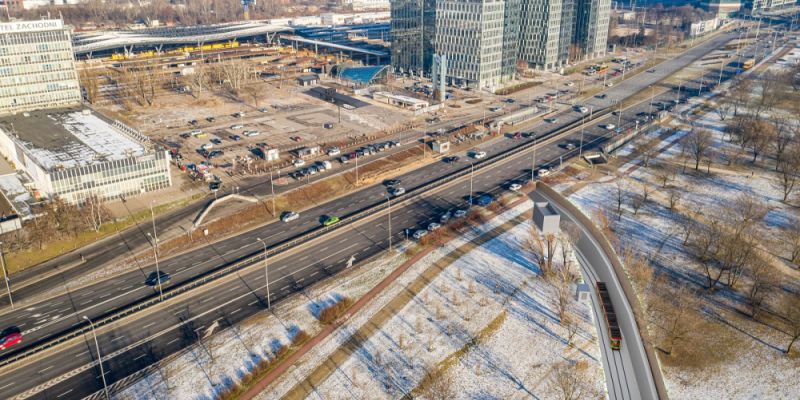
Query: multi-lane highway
column 138, row 341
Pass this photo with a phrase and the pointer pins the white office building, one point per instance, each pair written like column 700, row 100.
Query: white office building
column 37, row 66
column 76, row 154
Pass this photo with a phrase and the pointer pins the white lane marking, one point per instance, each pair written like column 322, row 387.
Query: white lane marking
column 117, row 338
column 252, row 302
column 235, row 311
column 149, row 325
column 141, row 356
column 172, row 341
column 42, row 370
column 65, row 393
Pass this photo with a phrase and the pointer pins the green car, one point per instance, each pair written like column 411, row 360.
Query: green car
column 330, row 220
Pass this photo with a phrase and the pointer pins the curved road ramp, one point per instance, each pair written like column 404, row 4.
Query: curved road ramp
column 633, row 371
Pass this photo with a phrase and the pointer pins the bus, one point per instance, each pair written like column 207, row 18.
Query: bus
column 614, row 334
column 748, row 64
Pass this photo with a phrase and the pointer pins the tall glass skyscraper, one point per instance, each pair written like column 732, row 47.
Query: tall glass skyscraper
column 483, row 39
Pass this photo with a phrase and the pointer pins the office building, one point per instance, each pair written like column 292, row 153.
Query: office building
column 478, row 38
column 591, row 28
column 756, row 6
column 37, row 66
column 722, row 8
column 484, row 39
column 76, row 155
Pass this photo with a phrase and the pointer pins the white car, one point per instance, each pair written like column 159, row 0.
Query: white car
column 609, row 126
column 397, row 191
column 433, row 226
column 419, row 234
column 459, row 213
column 478, row 155
column 570, row 84
column 543, row 172
column 290, row 216
column 514, row 187
column 582, row 110
column 237, row 126
column 610, row 84
column 551, row 120
column 207, row 146
column 334, row 151
column 299, row 163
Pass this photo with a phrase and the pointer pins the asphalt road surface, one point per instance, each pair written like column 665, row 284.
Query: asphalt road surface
column 141, row 340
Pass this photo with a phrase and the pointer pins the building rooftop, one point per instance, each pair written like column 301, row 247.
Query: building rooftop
column 69, row 138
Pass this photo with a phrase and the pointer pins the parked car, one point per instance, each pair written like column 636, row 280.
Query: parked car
column 210, row 119
column 333, row 151
column 235, row 138
column 206, row 146
column 433, row 226
column 156, row 278
column 237, row 126
column 445, row 217
column 459, row 213
column 299, row 162
column 214, row 185
column 289, row 216
column 344, row 159
column 216, row 141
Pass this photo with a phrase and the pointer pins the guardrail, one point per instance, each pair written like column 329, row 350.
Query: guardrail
column 283, row 246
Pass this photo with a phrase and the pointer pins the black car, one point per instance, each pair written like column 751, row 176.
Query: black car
column 214, row 185
column 391, row 182
column 451, row 159
column 157, row 277
column 216, row 141
column 216, row 153
column 193, row 122
column 211, row 119
column 602, row 96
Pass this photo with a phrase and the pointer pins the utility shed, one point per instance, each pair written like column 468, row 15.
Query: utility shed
column 545, row 218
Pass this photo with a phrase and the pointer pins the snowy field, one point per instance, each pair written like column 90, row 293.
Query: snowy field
column 759, row 368
column 495, row 282
column 194, row 375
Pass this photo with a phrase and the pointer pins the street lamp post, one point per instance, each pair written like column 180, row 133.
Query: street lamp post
column 272, row 188
column 533, row 161
column 471, row 173
column 619, row 112
column 583, row 124
column 5, row 276
column 389, row 208
column 652, row 96
column 155, row 252
column 356, row 168
column 99, row 357
column 266, row 271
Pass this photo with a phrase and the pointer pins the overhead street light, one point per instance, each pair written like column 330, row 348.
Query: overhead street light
column 99, row 358
column 266, row 272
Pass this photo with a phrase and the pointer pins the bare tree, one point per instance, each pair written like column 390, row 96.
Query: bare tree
column 94, row 213
column 677, row 319
column 235, row 73
column 571, row 382
column 562, row 279
column 740, row 94
column 674, row 196
column 620, row 197
column 543, row 250
column 791, row 237
column 723, row 108
column 571, row 324
column 790, row 310
column 90, row 86
column 788, row 170
column 763, row 280
column 637, row 201
column 698, row 143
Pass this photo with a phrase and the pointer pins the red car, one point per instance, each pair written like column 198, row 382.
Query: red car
column 10, row 338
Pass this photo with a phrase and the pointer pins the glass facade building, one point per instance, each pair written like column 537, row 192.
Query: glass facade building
column 484, row 39
column 37, row 66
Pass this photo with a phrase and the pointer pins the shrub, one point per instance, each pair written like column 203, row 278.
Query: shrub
column 332, row 312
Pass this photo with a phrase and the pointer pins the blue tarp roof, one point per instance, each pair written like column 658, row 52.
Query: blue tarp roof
column 363, row 75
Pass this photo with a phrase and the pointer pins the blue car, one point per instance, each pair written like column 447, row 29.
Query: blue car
column 484, row 200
